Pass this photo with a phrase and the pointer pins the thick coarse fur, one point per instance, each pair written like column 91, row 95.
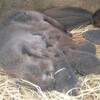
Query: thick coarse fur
column 71, row 17
column 65, row 76
column 87, row 46
column 24, row 50
column 82, row 62
column 74, row 17
column 31, row 47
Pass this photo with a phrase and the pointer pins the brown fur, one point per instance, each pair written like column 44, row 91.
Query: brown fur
column 24, row 50
column 74, row 17
column 32, row 48
column 83, row 62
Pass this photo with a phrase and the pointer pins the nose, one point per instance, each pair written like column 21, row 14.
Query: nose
column 75, row 91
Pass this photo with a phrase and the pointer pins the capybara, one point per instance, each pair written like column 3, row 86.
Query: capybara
column 25, row 53
column 74, row 17
column 31, row 47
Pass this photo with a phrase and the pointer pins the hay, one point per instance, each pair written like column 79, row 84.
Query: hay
column 11, row 89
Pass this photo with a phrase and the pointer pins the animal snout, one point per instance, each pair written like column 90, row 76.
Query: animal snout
column 75, row 91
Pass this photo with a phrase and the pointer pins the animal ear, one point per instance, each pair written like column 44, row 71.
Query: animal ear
column 71, row 17
column 93, row 36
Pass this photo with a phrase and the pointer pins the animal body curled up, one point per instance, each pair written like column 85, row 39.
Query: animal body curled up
column 33, row 47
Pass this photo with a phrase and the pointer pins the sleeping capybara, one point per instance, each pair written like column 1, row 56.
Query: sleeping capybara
column 74, row 17
column 31, row 48
column 25, row 53
column 70, row 17
column 57, row 39
column 64, row 76
column 82, row 62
